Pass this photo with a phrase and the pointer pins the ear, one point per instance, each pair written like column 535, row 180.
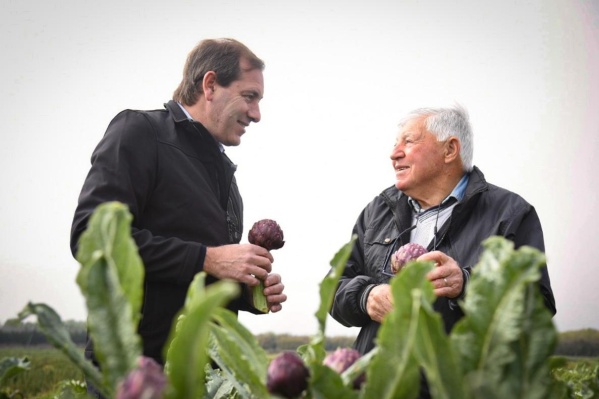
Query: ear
column 452, row 149
column 209, row 84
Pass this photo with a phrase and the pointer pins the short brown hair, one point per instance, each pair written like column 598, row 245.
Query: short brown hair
column 222, row 56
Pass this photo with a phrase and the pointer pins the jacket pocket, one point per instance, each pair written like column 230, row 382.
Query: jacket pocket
column 378, row 247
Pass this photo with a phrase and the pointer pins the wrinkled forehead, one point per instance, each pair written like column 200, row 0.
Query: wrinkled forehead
column 412, row 126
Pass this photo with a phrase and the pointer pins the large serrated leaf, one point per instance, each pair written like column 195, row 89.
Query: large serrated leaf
column 187, row 355
column 504, row 315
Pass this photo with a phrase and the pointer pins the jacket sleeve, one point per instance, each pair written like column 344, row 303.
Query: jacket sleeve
column 528, row 231
column 124, row 169
column 347, row 308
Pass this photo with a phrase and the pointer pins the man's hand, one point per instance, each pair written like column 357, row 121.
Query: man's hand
column 245, row 263
column 447, row 277
column 273, row 291
column 379, row 302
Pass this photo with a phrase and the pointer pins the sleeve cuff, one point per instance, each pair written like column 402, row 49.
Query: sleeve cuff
column 364, row 297
column 453, row 302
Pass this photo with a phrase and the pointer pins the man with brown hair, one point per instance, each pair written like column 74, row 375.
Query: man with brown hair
column 169, row 167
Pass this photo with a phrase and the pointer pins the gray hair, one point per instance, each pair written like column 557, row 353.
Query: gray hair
column 446, row 122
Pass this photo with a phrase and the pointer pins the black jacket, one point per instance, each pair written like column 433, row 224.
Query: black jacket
column 182, row 193
column 485, row 210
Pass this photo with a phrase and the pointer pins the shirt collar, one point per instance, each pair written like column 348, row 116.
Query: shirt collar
column 456, row 195
column 220, row 146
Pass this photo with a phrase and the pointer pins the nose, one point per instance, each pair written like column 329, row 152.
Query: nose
column 397, row 152
column 254, row 113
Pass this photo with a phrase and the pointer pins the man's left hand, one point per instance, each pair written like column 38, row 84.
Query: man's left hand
column 273, row 290
column 447, row 277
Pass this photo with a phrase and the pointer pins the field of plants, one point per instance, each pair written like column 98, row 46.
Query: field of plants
column 51, row 372
column 48, row 369
column 504, row 347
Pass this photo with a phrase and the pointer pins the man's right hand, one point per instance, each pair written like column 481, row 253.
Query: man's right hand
column 245, row 263
column 379, row 302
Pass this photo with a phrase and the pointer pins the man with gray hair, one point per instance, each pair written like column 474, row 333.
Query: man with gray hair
column 441, row 201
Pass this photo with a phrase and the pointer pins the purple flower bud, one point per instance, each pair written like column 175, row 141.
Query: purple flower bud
column 287, row 375
column 404, row 254
column 267, row 234
column 341, row 360
column 146, row 381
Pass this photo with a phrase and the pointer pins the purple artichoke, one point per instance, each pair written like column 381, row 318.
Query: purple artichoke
column 146, row 381
column 267, row 234
column 341, row 360
column 287, row 375
column 404, row 254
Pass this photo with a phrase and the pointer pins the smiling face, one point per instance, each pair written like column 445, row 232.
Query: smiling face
column 232, row 108
column 419, row 162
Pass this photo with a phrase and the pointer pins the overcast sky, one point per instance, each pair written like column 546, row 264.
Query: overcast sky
column 339, row 76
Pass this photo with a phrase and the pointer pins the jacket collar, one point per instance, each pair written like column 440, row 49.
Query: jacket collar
column 176, row 112
column 476, row 184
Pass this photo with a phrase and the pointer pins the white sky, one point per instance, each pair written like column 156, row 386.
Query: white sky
column 339, row 76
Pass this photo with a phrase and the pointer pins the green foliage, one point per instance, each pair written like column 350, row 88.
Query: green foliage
column 507, row 335
column 501, row 348
column 47, row 367
column 186, row 355
column 581, row 376
column 111, row 280
column 11, row 366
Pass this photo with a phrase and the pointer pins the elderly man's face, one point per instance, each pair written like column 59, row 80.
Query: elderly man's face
column 418, row 160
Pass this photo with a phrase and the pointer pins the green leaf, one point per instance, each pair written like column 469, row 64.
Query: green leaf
column 497, row 338
column 328, row 286
column 530, row 375
column 434, row 351
column 218, row 387
column 187, row 354
column 111, row 279
column 226, row 373
column 325, row 383
column 239, row 352
column 55, row 331
column 109, row 232
column 394, row 372
column 11, row 366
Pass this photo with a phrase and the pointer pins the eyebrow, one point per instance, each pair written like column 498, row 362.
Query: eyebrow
column 253, row 92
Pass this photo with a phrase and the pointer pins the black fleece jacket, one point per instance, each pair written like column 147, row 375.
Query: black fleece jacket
column 182, row 193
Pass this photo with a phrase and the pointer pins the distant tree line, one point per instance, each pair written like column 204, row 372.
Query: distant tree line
column 580, row 343
column 273, row 343
column 14, row 332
